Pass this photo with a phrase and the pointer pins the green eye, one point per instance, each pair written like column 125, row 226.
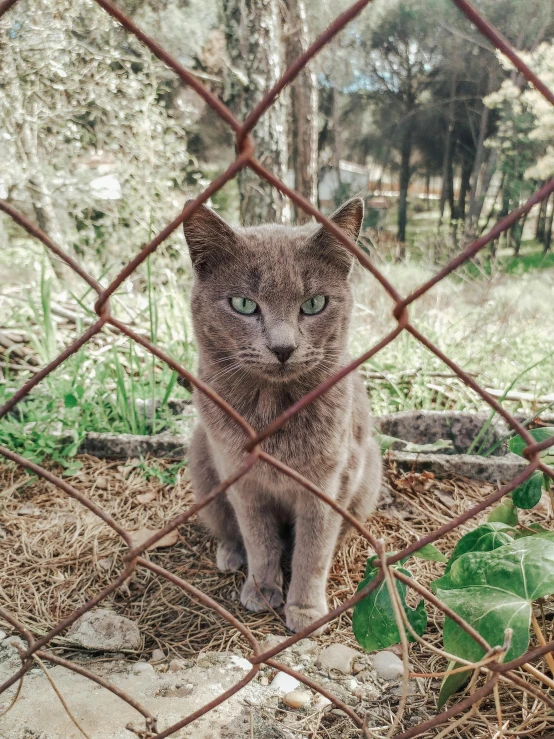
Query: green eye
column 313, row 305
column 244, row 305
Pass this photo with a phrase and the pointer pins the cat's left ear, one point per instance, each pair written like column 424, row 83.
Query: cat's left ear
column 349, row 217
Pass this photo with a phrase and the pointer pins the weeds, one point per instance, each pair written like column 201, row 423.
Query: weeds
column 496, row 328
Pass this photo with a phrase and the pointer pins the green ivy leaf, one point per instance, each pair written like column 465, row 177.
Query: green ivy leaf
column 529, row 493
column 484, row 538
column 494, row 591
column 373, row 620
column 535, row 530
column 70, row 400
column 430, row 553
column 505, row 512
column 517, row 444
column 452, row 683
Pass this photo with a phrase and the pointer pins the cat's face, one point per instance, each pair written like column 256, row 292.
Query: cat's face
column 270, row 301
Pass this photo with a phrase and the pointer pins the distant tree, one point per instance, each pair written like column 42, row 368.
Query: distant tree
column 524, row 139
column 303, row 115
column 255, row 62
column 402, row 55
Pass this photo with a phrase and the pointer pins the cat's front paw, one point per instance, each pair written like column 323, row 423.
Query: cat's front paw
column 230, row 556
column 298, row 617
column 262, row 598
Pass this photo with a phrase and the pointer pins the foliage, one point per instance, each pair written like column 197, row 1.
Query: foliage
column 493, row 577
column 88, row 105
column 373, row 620
column 526, row 118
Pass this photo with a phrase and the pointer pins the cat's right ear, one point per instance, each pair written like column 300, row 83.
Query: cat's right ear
column 209, row 239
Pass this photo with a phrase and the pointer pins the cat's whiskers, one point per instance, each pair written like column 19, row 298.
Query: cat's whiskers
column 225, row 372
column 220, row 360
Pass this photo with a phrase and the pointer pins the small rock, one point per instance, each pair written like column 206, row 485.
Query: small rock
column 388, row 666
column 102, row 482
column 271, row 641
column 358, row 667
column 284, row 682
column 264, row 680
column 157, row 655
column 204, row 660
column 185, row 690
column 105, row 631
column 176, row 664
column 365, row 676
column 339, row 712
column 339, row 691
column 14, row 644
column 140, row 667
column 147, row 497
column 240, row 662
column 398, row 690
column 297, row 698
column 322, row 702
column 337, row 657
column 2, row 635
column 105, row 563
column 305, row 646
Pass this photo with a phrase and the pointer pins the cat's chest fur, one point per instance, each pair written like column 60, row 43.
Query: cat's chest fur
column 310, row 442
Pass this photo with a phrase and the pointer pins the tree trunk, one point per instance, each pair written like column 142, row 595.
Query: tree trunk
column 493, row 206
column 464, row 187
column 304, row 108
column 36, row 185
column 517, row 234
column 447, row 157
column 549, row 227
column 477, row 194
column 385, row 163
column 427, row 189
column 450, row 187
column 336, row 135
column 255, row 63
column 541, row 221
column 405, row 155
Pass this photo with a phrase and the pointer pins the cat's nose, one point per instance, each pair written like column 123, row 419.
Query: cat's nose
column 283, row 352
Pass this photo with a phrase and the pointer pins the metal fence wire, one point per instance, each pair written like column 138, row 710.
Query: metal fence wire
column 254, row 454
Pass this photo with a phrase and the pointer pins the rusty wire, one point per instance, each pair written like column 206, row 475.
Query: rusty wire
column 253, row 452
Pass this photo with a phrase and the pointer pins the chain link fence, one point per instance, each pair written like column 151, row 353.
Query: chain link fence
column 254, row 454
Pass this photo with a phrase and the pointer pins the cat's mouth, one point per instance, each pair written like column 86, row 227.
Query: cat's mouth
column 282, row 372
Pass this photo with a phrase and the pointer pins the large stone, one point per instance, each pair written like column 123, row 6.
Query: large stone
column 388, row 666
column 338, row 657
column 105, row 631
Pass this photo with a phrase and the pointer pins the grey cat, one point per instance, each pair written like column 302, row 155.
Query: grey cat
column 271, row 309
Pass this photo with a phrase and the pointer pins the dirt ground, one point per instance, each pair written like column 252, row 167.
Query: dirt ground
column 57, row 554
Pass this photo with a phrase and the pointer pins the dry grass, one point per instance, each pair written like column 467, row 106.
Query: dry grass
column 57, row 555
